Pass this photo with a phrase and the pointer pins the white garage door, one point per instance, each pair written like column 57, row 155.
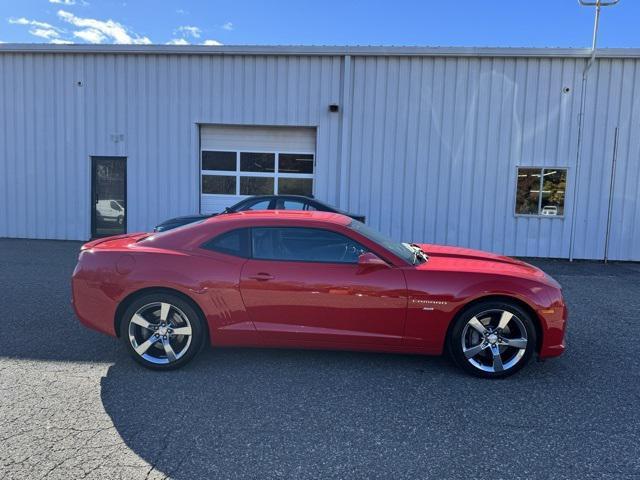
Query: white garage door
column 239, row 161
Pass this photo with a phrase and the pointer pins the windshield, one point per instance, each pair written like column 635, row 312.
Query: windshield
column 402, row 250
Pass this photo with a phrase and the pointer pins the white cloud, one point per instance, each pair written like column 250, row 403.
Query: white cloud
column 33, row 23
column 44, row 33
column 211, row 42
column 190, row 30
column 177, row 41
column 180, row 11
column 38, row 29
column 227, row 26
column 90, row 35
column 109, row 29
column 59, row 41
column 63, row 2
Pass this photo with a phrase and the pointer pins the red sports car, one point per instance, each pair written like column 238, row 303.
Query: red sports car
column 314, row 280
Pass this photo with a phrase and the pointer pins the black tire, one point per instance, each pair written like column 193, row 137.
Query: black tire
column 147, row 307
column 488, row 312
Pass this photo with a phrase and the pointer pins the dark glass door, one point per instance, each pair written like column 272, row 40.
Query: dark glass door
column 108, row 196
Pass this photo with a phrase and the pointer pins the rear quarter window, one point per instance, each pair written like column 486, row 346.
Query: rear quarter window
column 234, row 242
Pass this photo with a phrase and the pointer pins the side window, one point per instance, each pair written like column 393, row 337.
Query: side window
column 304, row 245
column 235, row 242
column 261, row 205
column 292, row 205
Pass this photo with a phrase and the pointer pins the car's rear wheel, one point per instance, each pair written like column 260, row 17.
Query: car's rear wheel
column 493, row 339
column 162, row 331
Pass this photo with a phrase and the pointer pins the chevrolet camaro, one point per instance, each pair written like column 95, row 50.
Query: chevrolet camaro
column 296, row 279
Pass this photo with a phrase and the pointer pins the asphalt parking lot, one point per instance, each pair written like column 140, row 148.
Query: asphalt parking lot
column 73, row 405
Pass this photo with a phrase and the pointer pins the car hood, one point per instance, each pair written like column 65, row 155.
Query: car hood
column 442, row 257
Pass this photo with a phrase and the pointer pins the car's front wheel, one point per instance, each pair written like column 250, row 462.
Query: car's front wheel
column 162, row 331
column 493, row 339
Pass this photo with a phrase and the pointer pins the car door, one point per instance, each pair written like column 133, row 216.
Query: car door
column 305, row 285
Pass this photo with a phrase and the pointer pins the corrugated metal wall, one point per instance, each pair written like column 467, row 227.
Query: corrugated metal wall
column 617, row 104
column 434, row 144
column 426, row 147
column 50, row 126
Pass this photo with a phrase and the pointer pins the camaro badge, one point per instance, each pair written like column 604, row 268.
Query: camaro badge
column 429, row 302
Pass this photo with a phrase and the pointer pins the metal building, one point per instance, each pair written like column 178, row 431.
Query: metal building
column 470, row 147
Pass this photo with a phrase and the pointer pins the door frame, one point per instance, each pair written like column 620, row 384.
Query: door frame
column 92, row 208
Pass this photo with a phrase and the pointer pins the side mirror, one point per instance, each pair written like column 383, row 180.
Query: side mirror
column 369, row 259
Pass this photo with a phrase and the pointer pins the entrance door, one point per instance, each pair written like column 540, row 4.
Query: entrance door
column 109, row 196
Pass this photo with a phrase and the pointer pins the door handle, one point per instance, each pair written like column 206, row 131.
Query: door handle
column 261, row 277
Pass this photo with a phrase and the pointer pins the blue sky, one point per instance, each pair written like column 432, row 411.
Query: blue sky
column 514, row 23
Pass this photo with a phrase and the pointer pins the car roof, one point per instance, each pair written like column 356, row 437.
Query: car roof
column 279, row 196
column 249, row 216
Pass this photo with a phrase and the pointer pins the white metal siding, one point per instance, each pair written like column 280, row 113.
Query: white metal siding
column 617, row 105
column 425, row 145
column 50, row 126
column 433, row 146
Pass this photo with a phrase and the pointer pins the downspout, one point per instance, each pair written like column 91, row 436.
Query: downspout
column 344, row 138
column 583, row 100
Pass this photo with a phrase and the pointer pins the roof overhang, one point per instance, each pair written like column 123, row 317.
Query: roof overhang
column 317, row 50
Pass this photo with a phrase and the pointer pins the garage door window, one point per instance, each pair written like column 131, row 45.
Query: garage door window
column 257, row 173
column 541, row 191
column 219, row 184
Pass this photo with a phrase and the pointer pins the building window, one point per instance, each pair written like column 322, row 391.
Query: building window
column 222, row 161
column 541, row 191
column 295, row 186
column 218, row 184
column 257, row 173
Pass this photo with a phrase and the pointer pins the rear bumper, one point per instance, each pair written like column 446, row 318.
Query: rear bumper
column 92, row 306
column 554, row 321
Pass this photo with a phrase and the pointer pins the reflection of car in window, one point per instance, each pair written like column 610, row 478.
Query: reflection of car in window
column 110, row 211
column 550, row 210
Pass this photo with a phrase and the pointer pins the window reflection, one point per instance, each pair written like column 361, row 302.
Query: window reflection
column 528, row 191
column 541, row 191
column 256, row 173
column 109, row 184
column 295, row 163
column 554, row 186
column 223, row 161
column 257, row 162
column 295, row 186
column 219, row 184
column 256, row 186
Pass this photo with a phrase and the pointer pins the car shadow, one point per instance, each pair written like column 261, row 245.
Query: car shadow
column 257, row 413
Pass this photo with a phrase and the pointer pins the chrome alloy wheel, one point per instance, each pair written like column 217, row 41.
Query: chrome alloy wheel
column 160, row 333
column 494, row 340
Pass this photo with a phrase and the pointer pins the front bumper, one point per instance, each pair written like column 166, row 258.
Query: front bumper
column 554, row 322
